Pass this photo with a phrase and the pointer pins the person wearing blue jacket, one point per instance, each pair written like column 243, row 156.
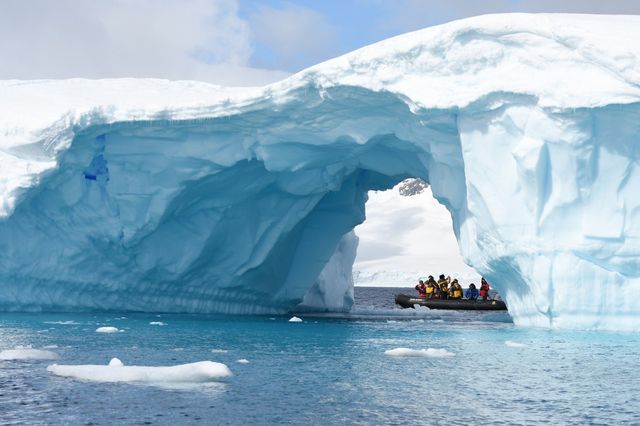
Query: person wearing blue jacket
column 472, row 292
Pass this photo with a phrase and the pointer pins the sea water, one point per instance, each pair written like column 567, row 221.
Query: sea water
column 477, row 368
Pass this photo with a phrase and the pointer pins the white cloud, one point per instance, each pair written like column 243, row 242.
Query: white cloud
column 192, row 39
column 408, row 234
column 296, row 36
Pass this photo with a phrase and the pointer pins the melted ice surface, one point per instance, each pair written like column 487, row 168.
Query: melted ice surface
column 187, row 197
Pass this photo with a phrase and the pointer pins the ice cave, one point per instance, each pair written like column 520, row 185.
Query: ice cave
column 150, row 195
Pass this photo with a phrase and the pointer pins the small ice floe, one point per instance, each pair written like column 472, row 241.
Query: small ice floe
column 512, row 344
column 116, row 371
column 243, row 361
column 392, row 322
column 20, row 353
column 50, row 347
column 178, row 349
column 219, row 351
column 295, row 319
column 418, row 320
column 157, row 323
column 62, row 322
column 107, row 330
column 426, row 353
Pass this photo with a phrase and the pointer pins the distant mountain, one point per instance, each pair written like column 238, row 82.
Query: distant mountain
column 409, row 187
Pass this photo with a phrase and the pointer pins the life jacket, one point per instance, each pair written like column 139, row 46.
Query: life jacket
column 457, row 294
column 444, row 285
column 484, row 290
column 430, row 289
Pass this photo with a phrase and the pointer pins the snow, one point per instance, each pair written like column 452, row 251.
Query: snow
column 189, row 197
column 107, row 330
column 116, row 371
column 425, row 353
column 295, row 319
column 115, row 362
column 20, row 353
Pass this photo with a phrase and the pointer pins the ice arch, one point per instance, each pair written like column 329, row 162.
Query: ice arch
column 150, row 195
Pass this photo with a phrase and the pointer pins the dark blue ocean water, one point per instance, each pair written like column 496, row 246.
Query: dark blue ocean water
column 325, row 370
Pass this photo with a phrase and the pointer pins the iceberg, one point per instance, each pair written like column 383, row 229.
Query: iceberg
column 151, row 195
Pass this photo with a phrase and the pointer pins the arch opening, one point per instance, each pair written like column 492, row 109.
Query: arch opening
column 407, row 236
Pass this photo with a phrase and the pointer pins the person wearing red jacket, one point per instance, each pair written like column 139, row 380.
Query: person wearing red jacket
column 484, row 289
column 421, row 289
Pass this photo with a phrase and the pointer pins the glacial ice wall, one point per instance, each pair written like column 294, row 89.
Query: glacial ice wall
column 187, row 197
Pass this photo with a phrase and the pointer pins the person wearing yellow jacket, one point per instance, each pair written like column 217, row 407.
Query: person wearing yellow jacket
column 443, row 283
column 455, row 291
column 433, row 291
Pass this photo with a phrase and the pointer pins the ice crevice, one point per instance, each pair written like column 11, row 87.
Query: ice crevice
column 148, row 195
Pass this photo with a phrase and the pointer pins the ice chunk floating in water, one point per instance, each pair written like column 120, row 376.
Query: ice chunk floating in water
column 107, row 330
column 189, row 197
column 27, row 354
column 425, row 353
column 116, row 371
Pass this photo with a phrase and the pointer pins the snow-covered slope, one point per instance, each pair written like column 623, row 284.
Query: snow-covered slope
column 153, row 195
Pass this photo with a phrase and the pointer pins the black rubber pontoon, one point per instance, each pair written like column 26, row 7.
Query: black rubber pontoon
column 458, row 304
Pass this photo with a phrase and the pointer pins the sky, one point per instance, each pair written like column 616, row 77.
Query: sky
column 230, row 42
column 405, row 239
column 255, row 42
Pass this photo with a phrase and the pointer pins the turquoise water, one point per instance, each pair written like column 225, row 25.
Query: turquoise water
column 324, row 370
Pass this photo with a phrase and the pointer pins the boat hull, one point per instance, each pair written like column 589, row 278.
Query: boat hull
column 459, row 304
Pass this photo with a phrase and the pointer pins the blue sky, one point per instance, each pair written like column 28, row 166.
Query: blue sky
column 232, row 42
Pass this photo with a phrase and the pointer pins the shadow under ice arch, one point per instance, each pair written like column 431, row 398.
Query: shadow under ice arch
column 185, row 197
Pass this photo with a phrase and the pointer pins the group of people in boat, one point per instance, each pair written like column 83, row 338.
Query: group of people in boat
column 444, row 289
